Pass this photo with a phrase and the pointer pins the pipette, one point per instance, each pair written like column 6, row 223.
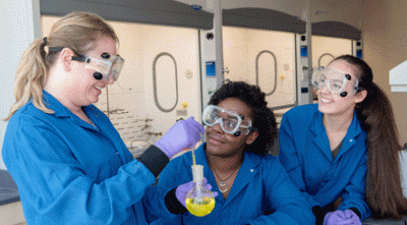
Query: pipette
column 193, row 150
column 193, row 157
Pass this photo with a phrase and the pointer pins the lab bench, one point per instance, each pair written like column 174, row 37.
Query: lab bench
column 370, row 221
column 11, row 211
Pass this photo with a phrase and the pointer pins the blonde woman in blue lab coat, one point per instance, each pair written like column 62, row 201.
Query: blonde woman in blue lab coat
column 69, row 162
column 253, row 186
column 343, row 152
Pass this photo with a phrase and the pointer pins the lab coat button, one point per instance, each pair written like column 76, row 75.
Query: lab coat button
column 251, row 170
column 351, row 140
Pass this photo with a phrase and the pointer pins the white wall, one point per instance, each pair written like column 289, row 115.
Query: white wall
column 384, row 39
column 19, row 26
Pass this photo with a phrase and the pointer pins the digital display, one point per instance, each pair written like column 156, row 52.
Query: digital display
column 359, row 53
column 304, row 52
column 210, row 69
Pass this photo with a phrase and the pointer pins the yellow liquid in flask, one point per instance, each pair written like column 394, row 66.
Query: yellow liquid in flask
column 200, row 208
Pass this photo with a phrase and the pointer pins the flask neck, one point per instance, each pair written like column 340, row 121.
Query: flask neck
column 198, row 185
column 197, row 173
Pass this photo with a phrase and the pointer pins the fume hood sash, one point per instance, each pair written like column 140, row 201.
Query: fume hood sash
column 260, row 18
column 335, row 29
column 160, row 12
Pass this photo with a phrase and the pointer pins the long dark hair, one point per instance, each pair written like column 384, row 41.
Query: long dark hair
column 264, row 120
column 383, row 183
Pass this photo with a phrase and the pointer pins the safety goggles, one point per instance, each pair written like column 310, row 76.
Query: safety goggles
column 229, row 121
column 335, row 80
column 107, row 67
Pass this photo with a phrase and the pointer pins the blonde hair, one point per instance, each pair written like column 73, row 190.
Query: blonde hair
column 78, row 31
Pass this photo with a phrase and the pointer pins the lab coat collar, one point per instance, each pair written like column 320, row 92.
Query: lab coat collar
column 52, row 103
column 350, row 138
column 245, row 174
column 61, row 111
column 94, row 115
column 321, row 137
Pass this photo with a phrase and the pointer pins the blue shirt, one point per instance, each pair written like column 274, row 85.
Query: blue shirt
column 306, row 154
column 262, row 193
column 69, row 172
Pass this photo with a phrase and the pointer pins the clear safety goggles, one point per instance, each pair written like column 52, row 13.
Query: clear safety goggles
column 229, row 121
column 107, row 67
column 335, row 80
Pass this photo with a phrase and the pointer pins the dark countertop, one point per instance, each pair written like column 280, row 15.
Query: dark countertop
column 371, row 221
column 8, row 188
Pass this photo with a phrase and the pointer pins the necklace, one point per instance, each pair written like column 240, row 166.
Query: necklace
column 222, row 182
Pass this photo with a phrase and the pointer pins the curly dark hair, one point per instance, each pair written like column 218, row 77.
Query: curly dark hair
column 264, row 119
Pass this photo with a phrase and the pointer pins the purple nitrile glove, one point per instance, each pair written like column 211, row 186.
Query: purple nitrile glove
column 183, row 134
column 340, row 217
column 182, row 191
column 332, row 218
column 351, row 215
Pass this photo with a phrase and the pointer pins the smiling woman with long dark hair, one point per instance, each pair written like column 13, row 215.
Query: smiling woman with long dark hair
column 343, row 153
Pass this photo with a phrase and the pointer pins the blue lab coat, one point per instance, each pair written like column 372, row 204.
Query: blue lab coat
column 262, row 193
column 306, row 155
column 69, row 172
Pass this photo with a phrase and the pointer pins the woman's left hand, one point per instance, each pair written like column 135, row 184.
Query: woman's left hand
column 339, row 217
column 182, row 190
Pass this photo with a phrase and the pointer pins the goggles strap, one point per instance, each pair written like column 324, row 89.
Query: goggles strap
column 80, row 58
column 55, row 49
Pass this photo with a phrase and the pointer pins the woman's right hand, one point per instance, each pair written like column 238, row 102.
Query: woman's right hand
column 339, row 217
